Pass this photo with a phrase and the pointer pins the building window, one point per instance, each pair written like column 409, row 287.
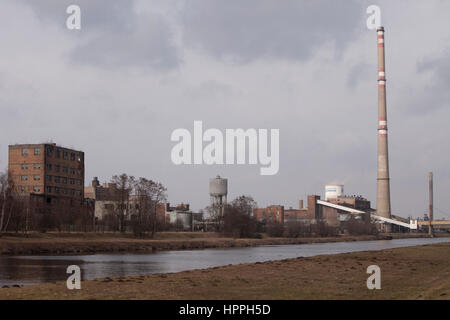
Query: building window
column 72, row 170
column 56, row 179
column 57, row 166
column 56, row 190
column 37, row 151
column 24, row 166
column 65, row 169
column 72, row 191
column 72, row 156
column 37, row 166
column 64, row 180
column 24, row 152
column 24, row 178
column 79, row 172
column 49, row 189
column 49, row 166
column 36, row 189
column 23, row 188
column 79, row 182
column 63, row 190
column 36, row 177
column 49, row 151
column 79, row 192
column 65, row 154
column 49, row 178
column 71, row 181
column 58, row 153
column 79, row 158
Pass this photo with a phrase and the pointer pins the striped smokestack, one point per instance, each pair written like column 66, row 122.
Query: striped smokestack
column 383, row 190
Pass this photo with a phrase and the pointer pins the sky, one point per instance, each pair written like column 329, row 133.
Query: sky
column 138, row 70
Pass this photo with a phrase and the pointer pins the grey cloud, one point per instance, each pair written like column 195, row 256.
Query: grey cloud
column 326, row 110
column 113, row 34
column 244, row 30
column 435, row 95
column 440, row 66
column 357, row 73
column 145, row 45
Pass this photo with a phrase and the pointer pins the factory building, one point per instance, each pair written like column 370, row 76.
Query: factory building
column 352, row 201
column 334, row 212
column 297, row 215
column 277, row 213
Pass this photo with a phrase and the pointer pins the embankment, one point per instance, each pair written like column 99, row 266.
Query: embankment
column 56, row 243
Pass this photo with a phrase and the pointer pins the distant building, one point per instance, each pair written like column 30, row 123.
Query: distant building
column 51, row 176
column 104, row 197
column 273, row 213
column 298, row 215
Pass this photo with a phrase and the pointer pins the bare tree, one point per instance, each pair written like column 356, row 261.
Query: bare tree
column 238, row 221
column 148, row 195
column 122, row 188
column 7, row 200
column 214, row 213
column 245, row 204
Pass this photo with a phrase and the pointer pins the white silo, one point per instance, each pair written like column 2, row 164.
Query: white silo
column 333, row 191
column 218, row 190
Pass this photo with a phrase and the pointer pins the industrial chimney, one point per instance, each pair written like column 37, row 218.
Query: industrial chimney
column 430, row 184
column 383, row 192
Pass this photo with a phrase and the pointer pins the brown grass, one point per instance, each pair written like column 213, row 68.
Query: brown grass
column 421, row 272
column 88, row 243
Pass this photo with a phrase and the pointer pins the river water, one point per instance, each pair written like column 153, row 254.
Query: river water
column 25, row 270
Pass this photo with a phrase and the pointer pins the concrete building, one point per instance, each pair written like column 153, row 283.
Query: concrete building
column 53, row 176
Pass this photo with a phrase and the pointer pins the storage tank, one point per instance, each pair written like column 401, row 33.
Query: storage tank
column 218, row 187
column 218, row 190
column 333, row 191
column 185, row 218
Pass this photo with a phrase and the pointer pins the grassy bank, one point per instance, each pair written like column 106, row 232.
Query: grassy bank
column 421, row 272
column 88, row 243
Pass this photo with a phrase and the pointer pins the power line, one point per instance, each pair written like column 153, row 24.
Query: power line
column 443, row 212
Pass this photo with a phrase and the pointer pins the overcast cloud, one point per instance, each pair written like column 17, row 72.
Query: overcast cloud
column 137, row 70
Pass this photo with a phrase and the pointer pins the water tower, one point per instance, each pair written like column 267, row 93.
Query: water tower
column 218, row 190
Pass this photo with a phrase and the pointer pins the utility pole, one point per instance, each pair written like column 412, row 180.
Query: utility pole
column 430, row 194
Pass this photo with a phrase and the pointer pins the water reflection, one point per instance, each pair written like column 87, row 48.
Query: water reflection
column 26, row 270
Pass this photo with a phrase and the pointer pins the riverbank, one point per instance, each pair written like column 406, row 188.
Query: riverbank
column 421, row 272
column 90, row 243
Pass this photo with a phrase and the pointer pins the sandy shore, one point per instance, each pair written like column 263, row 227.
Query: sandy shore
column 421, row 272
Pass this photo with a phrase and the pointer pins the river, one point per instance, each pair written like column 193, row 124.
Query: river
column 26, row 270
